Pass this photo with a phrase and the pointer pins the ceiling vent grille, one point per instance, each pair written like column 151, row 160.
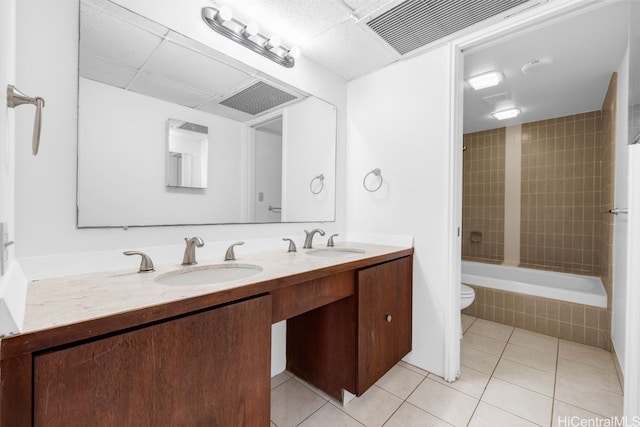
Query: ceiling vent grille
column 193, row 127
column 257, row 98
column 416, row 23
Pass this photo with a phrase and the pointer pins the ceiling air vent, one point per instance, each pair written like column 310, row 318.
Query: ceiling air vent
column 257, row 98
column 416, row 23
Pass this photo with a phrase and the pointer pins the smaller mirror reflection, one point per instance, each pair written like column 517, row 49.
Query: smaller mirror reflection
column 187, row 154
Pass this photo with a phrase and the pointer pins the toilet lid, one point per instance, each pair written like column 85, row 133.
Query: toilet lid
column 466, row 290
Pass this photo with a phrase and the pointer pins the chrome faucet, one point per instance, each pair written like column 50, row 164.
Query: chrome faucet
column 146, row 265
column 190, row 251
column 308, row 241
column 230, row 255
column 292, row 245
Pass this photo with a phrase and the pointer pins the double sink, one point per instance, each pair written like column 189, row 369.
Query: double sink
column 218, row 273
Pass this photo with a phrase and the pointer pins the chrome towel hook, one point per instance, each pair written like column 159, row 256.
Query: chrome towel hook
column 377, row 173
column 16, row 98
column 317, row 178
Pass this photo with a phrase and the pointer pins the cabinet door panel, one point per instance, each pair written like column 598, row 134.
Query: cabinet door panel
column 384, row 319
column 208, row 368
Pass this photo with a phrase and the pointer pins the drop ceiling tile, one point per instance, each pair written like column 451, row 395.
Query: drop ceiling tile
column 349, row 51
column 100, row 70
column 123, row 13
column 167, row 90
column 193, row 69
column 110, row 37
column 365, row 7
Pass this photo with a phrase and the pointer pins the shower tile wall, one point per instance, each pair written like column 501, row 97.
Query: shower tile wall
column 560, row 216
column 483, row 196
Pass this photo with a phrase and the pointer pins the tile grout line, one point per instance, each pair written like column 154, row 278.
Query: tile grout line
column 491, row 375
column 555, row 381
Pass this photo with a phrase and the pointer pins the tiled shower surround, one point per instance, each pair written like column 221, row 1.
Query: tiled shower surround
column 560, row 228
column 483, row 196
column 567, row 186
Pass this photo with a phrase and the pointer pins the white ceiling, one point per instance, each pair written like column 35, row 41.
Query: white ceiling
column 586, row 49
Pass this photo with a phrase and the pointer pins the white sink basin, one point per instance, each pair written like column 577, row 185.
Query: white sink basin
column 208, row 274
column 335, row 252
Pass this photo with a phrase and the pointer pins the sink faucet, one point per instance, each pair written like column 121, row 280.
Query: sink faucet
column 190, row 251
column 146, row 265
column 308, row 241
column 230, row 255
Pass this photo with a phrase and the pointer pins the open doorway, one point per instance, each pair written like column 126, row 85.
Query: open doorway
column 538, row 185
column 267, row 159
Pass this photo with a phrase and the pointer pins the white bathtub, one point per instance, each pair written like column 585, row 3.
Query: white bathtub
column 586, row 290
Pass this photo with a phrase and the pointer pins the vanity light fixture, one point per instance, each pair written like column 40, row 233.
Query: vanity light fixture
column 506, row 114
column 485, row 80
column 222, row 21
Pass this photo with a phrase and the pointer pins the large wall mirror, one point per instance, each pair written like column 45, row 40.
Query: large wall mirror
column 255, row 144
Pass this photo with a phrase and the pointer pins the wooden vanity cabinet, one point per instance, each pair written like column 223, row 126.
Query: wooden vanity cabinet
column 384, row 319
column 206, row 360
column 351, row 343
column 206, row 368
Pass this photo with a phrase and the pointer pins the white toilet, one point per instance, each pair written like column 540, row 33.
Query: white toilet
column 467, row 295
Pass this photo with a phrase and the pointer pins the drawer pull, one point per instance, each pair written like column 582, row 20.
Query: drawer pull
column 389, row 318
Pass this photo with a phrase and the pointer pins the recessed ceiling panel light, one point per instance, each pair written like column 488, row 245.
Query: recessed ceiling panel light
column 506, row 114
column 485, row 80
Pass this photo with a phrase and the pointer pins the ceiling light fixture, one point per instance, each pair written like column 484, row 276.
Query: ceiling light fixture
column 250, row 30
column 485, row 80
column 506, row 114
column 221, row 21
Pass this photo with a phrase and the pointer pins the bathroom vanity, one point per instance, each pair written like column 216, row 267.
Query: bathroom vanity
column 122, row 349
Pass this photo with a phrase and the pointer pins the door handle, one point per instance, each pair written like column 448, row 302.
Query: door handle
column 616, row 211
column 16, row 98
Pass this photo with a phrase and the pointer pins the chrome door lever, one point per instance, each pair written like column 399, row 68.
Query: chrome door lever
column 616, row 211
column 16, row 98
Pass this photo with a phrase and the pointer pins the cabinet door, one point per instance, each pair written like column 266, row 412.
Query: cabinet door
column 384, row 319
column 208, row 368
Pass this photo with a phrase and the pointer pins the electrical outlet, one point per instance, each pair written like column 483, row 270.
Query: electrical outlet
column 261, row 196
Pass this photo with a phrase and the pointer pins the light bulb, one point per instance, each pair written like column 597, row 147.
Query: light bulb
column 251, row 29
column 273, row 42
column 224, row 14
column 294, row 52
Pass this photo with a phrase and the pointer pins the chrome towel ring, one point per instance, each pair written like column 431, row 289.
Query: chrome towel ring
column 16, row 98
column 377, row 173
column 319, row 178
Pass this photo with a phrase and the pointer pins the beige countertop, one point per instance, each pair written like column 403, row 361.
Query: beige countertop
column 53, row 303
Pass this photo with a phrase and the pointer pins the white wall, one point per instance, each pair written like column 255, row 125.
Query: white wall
column 399, row 121
column 7, row 140
column 12, row 283
column 46, row 184
column 307, row 126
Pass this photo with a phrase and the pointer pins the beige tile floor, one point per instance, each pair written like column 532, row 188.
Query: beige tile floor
column 509, row 377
